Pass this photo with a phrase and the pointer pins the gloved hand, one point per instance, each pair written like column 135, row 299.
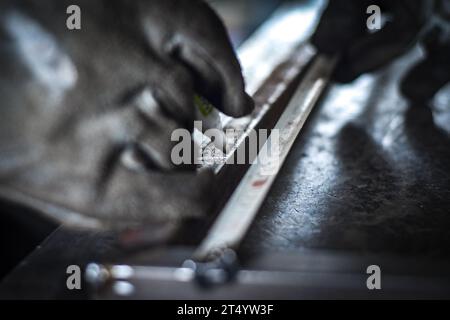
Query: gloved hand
column 343, row 31
column 87, row 115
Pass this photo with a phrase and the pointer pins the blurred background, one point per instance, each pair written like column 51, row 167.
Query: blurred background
column 243, row 17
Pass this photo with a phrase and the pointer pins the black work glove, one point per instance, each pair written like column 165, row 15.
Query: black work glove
column 87, row 115
column 343, row 31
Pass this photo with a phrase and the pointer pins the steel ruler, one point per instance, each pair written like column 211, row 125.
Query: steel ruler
column 238, row 214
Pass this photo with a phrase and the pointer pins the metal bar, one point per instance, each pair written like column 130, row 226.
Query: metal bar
column 139, row 282
column 240, row 211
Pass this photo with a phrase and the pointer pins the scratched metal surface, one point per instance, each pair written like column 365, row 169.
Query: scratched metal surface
column 370, row 173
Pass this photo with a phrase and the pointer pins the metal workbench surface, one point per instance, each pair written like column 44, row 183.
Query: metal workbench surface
column 371, row 173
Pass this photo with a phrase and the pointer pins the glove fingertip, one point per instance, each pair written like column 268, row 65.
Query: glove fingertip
column 239, row 105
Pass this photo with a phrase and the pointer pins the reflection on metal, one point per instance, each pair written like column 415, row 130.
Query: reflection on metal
column 275, row 41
